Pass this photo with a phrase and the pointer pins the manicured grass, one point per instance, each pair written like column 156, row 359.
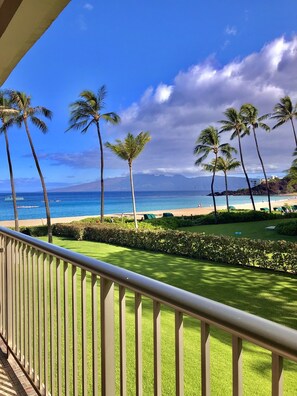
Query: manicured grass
column 267, row 294
column 254, row 230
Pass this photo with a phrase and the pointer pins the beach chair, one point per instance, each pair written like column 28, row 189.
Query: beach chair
column 167, row 214
column 149, row 216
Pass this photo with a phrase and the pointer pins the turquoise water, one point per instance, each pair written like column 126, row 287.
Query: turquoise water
column 84, row 204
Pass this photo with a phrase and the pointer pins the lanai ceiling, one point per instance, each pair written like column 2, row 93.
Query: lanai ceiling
column 22, row 23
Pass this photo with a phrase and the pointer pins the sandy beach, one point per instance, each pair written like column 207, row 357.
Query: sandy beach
column 291, row 200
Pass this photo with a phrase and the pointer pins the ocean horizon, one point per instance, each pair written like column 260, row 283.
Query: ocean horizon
column 71, row 204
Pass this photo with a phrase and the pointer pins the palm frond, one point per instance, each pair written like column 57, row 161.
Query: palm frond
column 38, row 123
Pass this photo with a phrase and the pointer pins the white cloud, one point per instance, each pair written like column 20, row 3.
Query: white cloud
column 88, row 6
column 176, row 113
column 231, row 30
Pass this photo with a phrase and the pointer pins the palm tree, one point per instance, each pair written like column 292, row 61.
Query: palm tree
column 253, row 121
column 283, row 112
column 224, row 165
column 292, row 172
column 26, row 112
column 128, row 150
column 6, row 112
column 236, row 124
column 85, row 112
column 207, row 143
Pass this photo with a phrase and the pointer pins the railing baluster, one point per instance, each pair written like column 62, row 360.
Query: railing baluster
column 138, row 343
column 26, row 301
column 19, row 308
column 74, row 331
column 179, row 354
column 30, row 319
column 107, row 337
column 59, row 325
column 18, row 305
column 52, row 325
column 45, row 322
column 35, row 317
column 205, row 359
column 123, row 356
column 237, row 365
column 66, row 330
column 277, row 375
column 13, row 294
column 84, row 332
column 95, row 335
column 40, row 379
column 23, row 305
column 157, row 348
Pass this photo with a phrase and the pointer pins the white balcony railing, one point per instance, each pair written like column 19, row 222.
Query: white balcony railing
column 57, row 318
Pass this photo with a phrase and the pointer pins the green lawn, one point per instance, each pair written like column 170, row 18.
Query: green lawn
column 267, row 294
column 255, row 230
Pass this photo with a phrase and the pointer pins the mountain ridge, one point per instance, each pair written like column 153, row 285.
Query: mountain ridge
column 144, row 182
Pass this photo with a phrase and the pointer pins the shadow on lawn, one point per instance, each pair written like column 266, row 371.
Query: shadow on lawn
column 263, row 293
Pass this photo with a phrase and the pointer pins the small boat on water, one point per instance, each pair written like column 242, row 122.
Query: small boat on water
column 10, row 198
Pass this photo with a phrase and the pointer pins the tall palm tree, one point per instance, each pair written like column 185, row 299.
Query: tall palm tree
column 292, row 172
column 234, row 123
column 6, row 113
column 224, row 165
column 208, row 142
column 251, row 117
column 87, row 111
column 26, row 112
column 283, row 112
column 128, row 150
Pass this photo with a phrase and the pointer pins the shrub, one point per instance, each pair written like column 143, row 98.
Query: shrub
column 243, row 216
column 35, row 231
column 71, row 230
column 276, row 255
column 289, row 228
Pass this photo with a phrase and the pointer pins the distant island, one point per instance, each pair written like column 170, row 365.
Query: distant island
column 144, row 182
column 276, row 187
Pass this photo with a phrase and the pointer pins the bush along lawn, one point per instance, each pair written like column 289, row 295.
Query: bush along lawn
column 275, row 255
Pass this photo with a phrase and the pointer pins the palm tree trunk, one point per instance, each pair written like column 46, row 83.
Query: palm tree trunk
column 133, row 195
column 15, row 210
column 264, row 172
column 47, row 209
column 294, row 131
column 101, row 173
column 244, row 171
column 212, row 189
column 226, row 186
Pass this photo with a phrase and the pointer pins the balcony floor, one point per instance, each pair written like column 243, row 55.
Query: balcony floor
column 13, row 382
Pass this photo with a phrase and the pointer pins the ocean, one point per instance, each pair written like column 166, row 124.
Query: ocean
column 88, row 203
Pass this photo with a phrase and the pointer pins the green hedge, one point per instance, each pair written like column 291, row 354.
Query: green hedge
column 69, row 230
column 276, row 255
column 35, row 231
column 289, row 228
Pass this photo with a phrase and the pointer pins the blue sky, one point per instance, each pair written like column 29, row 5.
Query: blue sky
column 170, row 67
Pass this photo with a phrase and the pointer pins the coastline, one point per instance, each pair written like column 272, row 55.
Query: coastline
column 176, row 212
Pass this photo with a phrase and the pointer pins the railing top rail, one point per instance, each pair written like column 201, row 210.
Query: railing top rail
column 275, row 337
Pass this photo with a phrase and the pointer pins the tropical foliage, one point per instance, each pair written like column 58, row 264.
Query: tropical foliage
column 25, row 113
column 87, row 111
column 284, row 111
column 207, row 143
column 6, row 113
column 253, row 121
column 128, row 150
column 225, row 165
